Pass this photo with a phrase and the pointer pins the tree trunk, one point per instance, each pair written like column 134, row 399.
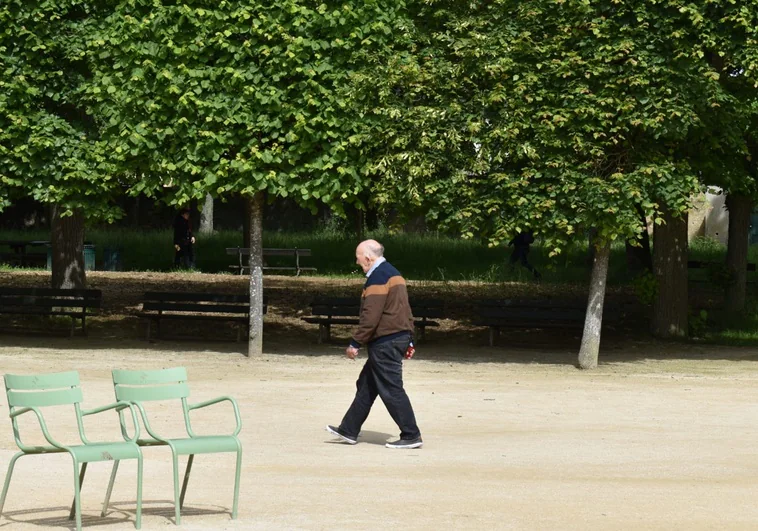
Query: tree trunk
column 670, row 269
column 593, row 321
column 255, row 211
column 639, row 258
column 67, row 238
column 591, row 237
column 206, row 216
column 739, row 207
column 246, row 225
column 360, row 224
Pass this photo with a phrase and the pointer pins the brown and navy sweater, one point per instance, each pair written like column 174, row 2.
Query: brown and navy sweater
column 385, row 311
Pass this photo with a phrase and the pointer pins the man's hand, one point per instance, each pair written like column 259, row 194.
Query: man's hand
column 351, row 352
column 192, row 240
column 176, row 247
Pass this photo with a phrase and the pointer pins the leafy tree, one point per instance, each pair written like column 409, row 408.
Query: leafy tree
column 558, row 117
column 48, row 143
column 236, row 98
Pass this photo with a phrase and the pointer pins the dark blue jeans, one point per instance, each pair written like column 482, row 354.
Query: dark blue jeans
column 382, row 376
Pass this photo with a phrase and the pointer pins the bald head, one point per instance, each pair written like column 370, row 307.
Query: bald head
column 367, row 253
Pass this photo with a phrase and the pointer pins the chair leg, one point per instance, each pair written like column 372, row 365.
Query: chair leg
column 8, row 479
column 186, row 479
column 79, row 483
column 138, row 522
column 110, row 488
column 237, row 483
column 77, row 507
column 177, row 507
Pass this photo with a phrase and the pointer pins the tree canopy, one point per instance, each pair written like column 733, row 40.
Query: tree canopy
column 558, row 116
column 235, row 97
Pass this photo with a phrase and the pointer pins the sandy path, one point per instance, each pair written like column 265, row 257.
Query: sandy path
column 637, row 444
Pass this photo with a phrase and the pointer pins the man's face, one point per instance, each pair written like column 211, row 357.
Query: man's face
column 185, row 215
column 362, row 260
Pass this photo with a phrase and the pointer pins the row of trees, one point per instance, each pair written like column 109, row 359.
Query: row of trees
column 489, row 117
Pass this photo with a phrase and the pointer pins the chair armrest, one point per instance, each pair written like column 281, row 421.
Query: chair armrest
column 213, row 401
column 49, row 438
column 119, row 407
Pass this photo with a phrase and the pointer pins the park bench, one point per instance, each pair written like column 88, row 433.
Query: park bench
column 78, row 304
column 243, row 254
column 534, row 313
column 158, row 306
column 699, row 264
column 715, row 272
column 21, row 257
column 37, row 260
column 329, row 311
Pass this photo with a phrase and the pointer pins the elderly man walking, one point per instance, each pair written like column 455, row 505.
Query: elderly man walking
column 385, row 326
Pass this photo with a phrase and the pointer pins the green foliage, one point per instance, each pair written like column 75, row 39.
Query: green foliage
column 697, row 324
column 555, row 116
column 646, row 288
column 48, row 143
column 235, row 97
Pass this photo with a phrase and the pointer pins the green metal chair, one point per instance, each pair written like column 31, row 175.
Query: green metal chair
column 29, row 393
column 139, row 387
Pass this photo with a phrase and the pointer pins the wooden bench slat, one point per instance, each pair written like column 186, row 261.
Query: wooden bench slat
column 49, row 302
column 188, row 307
column 40, row 311
column 87, row 293
column 700, row 264
column 191, row 317
column 194, row 297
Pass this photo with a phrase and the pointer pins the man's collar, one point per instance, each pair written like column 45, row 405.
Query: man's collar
column 376, row 264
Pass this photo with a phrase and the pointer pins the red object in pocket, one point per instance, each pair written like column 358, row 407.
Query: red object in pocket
column 410, row 351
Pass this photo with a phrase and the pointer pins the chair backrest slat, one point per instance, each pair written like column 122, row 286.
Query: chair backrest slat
column 161, row 376
column 57, row 397
column 144, row 393
column 40, row 382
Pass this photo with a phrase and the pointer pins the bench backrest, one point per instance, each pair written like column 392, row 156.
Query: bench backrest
column 198, row 302
column 546, row 303
column 699, row 264
column 548, row 309
column 50, row 298
column 245, row 251
column 336, row 306
column 428, row 308
column 350, row 306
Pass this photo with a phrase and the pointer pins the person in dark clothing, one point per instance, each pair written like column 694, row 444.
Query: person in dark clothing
column 184, row 255
column 521, row 244
column 385, row 326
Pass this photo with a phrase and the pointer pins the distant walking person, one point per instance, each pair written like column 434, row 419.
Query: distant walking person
column 521, row 244
column 184, row 256
column 385, row 326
